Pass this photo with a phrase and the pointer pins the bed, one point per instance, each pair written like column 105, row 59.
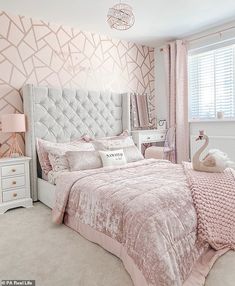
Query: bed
column 50, row 113
column 142, row 212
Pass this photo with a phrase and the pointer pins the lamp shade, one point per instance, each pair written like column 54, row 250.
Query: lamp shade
column 13, row 122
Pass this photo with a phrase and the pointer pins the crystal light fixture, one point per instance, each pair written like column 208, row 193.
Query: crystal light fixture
column 121, row 17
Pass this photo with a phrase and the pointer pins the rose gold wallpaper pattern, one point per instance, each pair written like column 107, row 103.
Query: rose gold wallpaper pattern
column 38, row 52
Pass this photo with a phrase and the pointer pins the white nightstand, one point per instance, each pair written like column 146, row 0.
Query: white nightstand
column 148, row 136
column 15, row 183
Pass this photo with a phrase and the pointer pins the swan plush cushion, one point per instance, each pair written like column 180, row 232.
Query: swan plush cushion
column 217, row 158
column 209, row 161
column 215, row 161
column 113, row 158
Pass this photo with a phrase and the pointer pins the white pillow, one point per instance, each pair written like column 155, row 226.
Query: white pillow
column 133, row 154
column 113, row 158
column 110, row 143
column 83, row 160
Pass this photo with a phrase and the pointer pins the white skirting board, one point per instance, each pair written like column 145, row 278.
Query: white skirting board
column 224, row 143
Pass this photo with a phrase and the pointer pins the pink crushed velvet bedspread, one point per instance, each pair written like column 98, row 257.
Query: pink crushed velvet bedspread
column 145, row 207
column 214, row 199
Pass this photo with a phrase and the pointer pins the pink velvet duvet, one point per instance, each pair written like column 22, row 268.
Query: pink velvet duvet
column 143, row 213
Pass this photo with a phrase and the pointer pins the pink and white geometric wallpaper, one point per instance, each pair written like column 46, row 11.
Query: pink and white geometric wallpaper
column 33, row 51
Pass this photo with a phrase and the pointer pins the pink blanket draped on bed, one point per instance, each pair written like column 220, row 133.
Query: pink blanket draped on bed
column 214, row 199
column 143, row 213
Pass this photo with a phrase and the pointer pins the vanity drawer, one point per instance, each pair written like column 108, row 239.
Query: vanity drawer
column 152, row 137
column 8, row 183
column 13, row 195
column 13, row 170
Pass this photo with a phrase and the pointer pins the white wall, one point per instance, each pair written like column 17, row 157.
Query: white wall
column 222, row 133
column 160, row 86
column 221, row 136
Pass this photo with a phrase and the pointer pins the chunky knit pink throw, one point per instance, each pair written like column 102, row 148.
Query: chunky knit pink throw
column 214, row 199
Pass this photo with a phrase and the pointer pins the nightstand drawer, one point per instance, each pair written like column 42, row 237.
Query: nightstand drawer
column 152, row 137
column 8, row 183
column 13, row 195
column 13, row 170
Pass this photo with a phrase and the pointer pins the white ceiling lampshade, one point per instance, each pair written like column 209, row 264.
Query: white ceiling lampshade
column 121, row 17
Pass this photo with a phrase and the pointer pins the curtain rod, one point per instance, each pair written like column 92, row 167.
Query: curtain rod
column 207, row 35
column 210, row 34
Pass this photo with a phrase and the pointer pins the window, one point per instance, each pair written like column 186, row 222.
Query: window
column 212, row 83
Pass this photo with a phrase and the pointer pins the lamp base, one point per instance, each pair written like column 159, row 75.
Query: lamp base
column 15, row 150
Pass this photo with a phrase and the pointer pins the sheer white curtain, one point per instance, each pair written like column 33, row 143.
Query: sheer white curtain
column 175, row 55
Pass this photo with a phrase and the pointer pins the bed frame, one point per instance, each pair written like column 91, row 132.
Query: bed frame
column 61, row 115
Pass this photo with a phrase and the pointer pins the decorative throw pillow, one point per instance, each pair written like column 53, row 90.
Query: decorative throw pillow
column 132, row 153
column 43, row 153
column 110, row 143
column 58, row 162
column 113, row 158
column 83, row 160
column 57, row 155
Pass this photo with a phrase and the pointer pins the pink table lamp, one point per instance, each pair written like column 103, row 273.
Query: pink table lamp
column 14, row 123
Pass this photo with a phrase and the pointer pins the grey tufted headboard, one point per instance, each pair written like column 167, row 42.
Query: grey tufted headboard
column 60, row 115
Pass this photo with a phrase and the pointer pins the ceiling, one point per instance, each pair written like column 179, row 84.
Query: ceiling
column 156, row 21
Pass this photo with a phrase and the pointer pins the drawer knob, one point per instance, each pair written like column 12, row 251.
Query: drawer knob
column 13, row 170
column 14, row 183
column 148, row 137
column 15, row 195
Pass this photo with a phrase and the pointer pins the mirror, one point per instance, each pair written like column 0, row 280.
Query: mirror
column 140, row 112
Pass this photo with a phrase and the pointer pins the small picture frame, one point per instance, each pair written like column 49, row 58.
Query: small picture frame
column 162, row 124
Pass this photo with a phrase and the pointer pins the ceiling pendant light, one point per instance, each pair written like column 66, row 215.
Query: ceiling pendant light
column 121, row 17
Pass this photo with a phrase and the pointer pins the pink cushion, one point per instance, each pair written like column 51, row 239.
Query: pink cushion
column 44, row 147
column 154, row 152
column 83, row 160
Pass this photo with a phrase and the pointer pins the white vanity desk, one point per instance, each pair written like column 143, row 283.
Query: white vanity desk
column 148, row 136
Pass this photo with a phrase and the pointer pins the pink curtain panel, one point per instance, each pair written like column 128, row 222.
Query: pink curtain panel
column 175, row 55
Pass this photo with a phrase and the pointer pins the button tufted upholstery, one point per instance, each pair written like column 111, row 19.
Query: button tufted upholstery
column 61, row 115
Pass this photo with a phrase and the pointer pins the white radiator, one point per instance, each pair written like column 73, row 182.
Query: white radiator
column 223, row 143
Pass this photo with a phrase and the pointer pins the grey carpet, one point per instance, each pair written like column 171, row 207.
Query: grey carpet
column 31, row 247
